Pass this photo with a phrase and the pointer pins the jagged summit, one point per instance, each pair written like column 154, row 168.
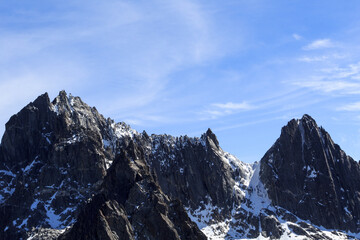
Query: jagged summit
column 209, row 134
column 64, row 166
column 42, row 101
column 309, row 175
column 54, row 159
column 307, row 117
column 64, row 103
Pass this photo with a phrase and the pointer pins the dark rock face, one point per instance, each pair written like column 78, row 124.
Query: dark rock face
column 52, row 160
column 270, row 227
column 131, row 205
column 63, row 165
column 307, row 174
column 101, row 219
column 194, row 170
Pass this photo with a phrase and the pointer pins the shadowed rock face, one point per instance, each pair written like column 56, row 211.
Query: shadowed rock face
column 101, row 219
column 52, row 159
column 307, row 174
column 131, row 205
column 194, row 171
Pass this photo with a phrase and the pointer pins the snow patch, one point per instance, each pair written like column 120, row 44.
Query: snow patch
column 24, row 222
column 73, row 139
column 55, row 109
column 312, row 174
column 46, row 136
column 52, row 219
column 8, row 173
column 256, row 193
column 347, row 211
column 203, row 217
column 107, row 143
column 108, row 163
column 123, row 130
column 9, row 190
column 34, row 204
column 28, row 167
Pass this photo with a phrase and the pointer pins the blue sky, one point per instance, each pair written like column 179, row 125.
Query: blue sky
column 242, row 68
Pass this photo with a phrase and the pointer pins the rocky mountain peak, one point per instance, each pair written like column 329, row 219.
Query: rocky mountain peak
column 307, row 174
column 63, row 103
column 42, row 101
column 67, row 103
column 211, row 138
column 53, row 159
column 308, row 118
column 40, row 107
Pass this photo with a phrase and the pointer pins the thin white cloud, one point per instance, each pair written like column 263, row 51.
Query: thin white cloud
column 340, row 80
column 297, row 36
column 352, row 107
column 319, row 44
column 321, row 58
column 349, row 72
column 217, row 110
column 313, row 59
column 329, row 86
column 233, row 106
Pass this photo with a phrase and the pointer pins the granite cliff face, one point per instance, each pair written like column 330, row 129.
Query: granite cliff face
column 66, row 172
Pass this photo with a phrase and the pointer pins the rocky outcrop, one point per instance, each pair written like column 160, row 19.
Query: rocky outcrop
column 196, row 170
column 101, row 219
column 308, row 174
column 52, row 160
column 131, row 205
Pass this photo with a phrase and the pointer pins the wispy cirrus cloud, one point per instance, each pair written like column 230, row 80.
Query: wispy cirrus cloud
column 321, row 58
column 297, row 36
column 310, row 59
column 351, row 71
column 352, row 107
column 329, row 86
column 217, row 110
column 342, row 80
column 233, row 106
column 319, row 44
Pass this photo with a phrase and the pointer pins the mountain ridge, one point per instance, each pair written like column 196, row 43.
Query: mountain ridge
column 55, row 158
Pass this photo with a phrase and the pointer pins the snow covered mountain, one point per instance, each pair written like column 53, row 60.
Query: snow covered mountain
column 66, row 172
